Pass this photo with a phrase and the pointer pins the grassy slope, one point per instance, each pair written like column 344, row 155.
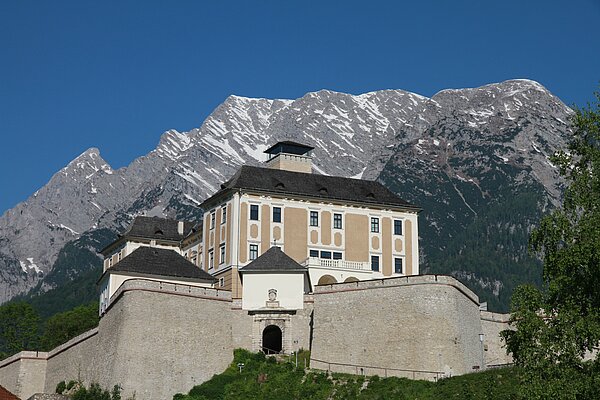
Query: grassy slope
column 263, row 378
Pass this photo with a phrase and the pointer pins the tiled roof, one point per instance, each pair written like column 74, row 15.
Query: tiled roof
column 273, row 260
column 310, row 185
column 161, row 262
column 158, row 228
column 6, row 395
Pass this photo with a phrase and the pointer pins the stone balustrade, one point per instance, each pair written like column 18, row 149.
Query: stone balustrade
column 336, row 264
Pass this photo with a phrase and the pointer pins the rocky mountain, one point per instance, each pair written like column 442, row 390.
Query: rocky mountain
column 460, row 155
column 482, row 174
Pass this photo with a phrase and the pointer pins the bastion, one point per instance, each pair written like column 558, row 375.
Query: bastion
column 157, row 339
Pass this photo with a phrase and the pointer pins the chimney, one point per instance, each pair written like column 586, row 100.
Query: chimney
column 290, row 156
column 180, row 227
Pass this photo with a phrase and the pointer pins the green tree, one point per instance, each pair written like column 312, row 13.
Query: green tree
column 560, row 324
column 64, row 326
column 19, row 326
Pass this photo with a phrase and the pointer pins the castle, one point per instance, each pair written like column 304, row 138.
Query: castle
column 282, row 259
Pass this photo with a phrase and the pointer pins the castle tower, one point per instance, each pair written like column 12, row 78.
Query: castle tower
column 290, row 156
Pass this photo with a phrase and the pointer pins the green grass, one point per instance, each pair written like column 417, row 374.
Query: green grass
column 264, row 378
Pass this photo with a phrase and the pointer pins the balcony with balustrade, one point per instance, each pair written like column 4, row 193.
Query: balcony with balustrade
column 312, row 262
column 327, row 270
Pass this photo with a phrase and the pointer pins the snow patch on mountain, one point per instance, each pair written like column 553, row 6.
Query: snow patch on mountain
column 353, row 135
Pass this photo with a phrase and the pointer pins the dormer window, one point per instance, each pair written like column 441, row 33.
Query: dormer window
column 371, row 196
column 280, row 185
column 158, row 232
column 323, row 191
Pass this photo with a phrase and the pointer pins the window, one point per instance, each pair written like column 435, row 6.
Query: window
column 326, row 254
column 221, row 282
column 314, row 218
column 314, row 253
column 211, row 259
column 276, row 214
column 253, row 251
column 397, row 227
column 398, row 265
column 337, row 255
column 254, row 212
column 374, row 263
column 212, row 220
column 337, row 221
column 375, row 225
column 223, row 215
column 222, row 255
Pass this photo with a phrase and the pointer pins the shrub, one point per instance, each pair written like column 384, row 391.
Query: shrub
column 61, row 387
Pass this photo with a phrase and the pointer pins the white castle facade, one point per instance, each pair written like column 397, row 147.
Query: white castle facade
column 283, row 259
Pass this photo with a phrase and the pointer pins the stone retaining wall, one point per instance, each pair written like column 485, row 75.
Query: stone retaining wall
column 494, row 349
column 23, row 374
column 158, row 339
column 427, row 325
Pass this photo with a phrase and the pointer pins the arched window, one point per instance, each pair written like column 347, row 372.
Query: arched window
column 326, row 280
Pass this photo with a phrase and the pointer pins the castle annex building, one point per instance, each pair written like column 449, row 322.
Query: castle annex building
column 282, row 259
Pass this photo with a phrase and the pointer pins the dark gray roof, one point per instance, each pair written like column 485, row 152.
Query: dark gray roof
column 161, row 262
column 273, row 260
column 287, row 146
column 310, row 185
column 158, row 228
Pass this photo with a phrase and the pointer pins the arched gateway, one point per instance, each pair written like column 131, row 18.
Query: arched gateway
column 272, row 340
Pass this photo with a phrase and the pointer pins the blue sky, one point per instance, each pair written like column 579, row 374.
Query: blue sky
column 116, row 74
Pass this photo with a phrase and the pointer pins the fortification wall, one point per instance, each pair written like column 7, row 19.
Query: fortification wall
column 494, row 349
column 170, row 338
column 72, row 361
column 23, row 374
column 241, row 326
column 419, row 327
column 158, row 339
column 302, row 324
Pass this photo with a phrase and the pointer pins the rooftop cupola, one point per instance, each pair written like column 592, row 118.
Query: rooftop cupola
column 290, row 156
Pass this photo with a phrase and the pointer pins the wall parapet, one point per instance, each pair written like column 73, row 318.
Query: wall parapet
column 398, row 281
column 73, row 342
column 495, row 317
column 24, row 355
column 169, row 288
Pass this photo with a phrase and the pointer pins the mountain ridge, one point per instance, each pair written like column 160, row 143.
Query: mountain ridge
column 366, row 136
